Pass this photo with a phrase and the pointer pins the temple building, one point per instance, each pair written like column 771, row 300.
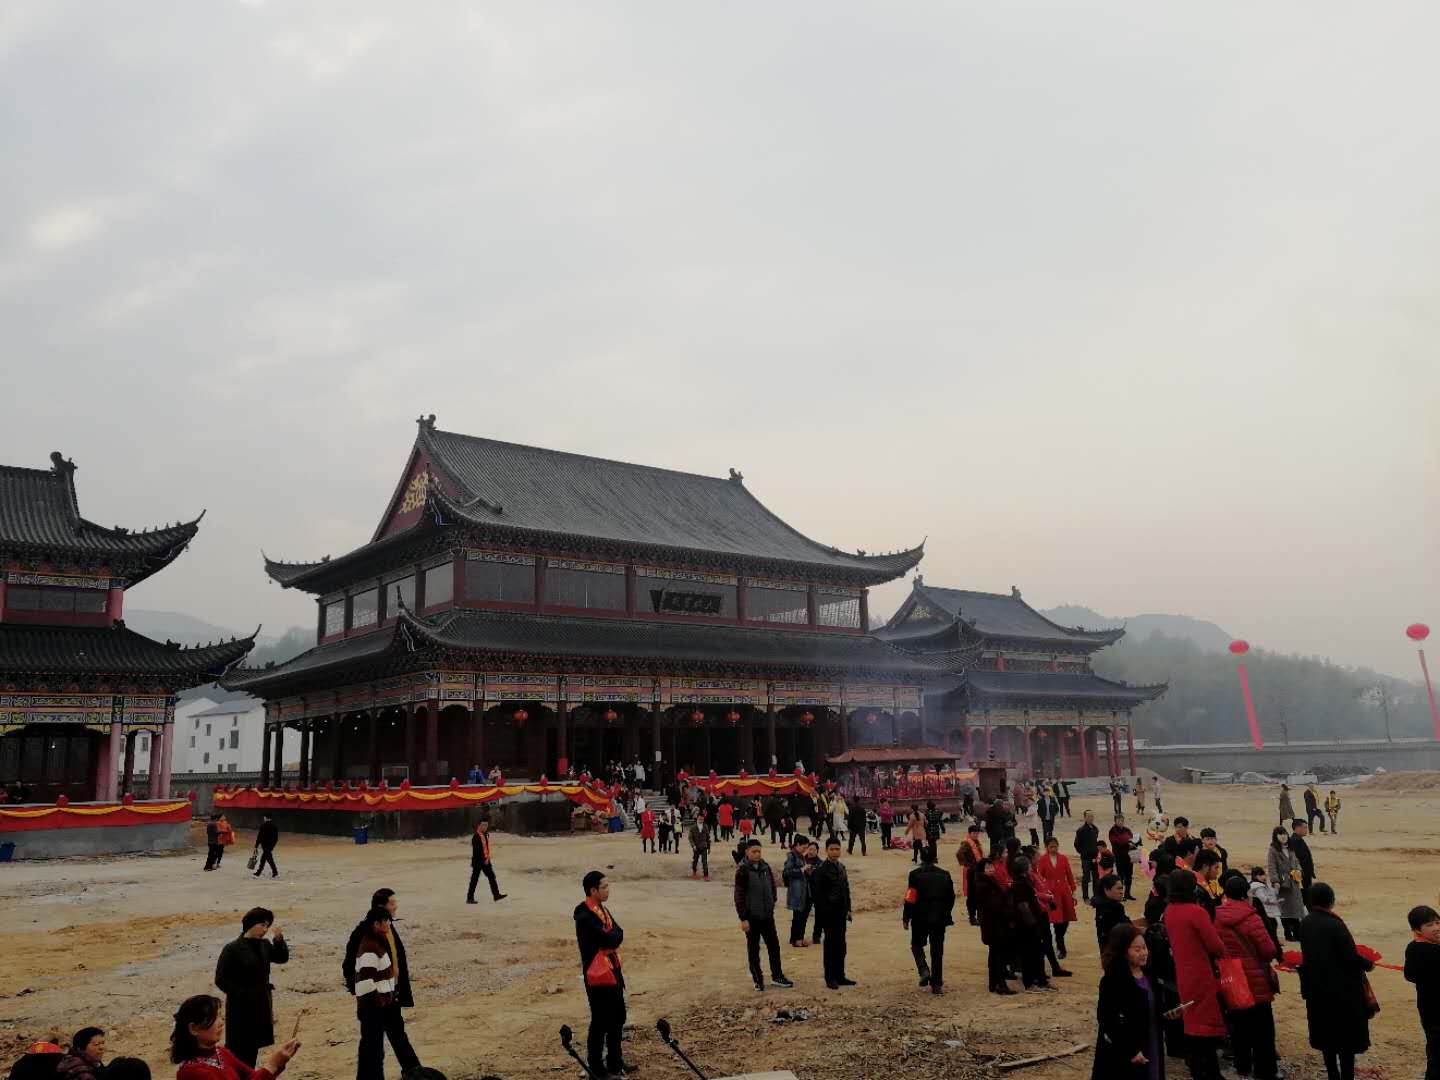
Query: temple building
column 1013, row 685
column 537, row 610
column 77, row 689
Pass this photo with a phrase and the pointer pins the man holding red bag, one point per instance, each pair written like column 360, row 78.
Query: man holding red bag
column 599, row 937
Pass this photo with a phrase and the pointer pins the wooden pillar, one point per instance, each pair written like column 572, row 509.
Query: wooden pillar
column 111, row 779
column 1084, row 755
column 655, row 719
column 152, row 769
column 477, row 736
column 865, row 611
column 431, row 771
column 1113, row 737
column 279, row 765
column 372, row 746
column 844, row 730
column 128, row 774
column 305, row 753
column 562, row 738
column 747, row 742
column 707, row 762
column 924, row 738
column 1130, row 744
column 337, row 752
column 265, row 757
column 411, row 724
column 770, row 737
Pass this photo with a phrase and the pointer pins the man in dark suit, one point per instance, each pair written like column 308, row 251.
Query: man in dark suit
column 929, row 909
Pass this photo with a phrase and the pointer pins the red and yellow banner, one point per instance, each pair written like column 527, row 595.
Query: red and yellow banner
column 753, row 785
column 107, row 815
column 429, row 798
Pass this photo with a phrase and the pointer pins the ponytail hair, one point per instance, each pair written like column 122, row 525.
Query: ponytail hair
column 200, row 1010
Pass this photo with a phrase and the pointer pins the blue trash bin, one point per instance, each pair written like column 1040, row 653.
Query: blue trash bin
column 7, row 851
column 362, row 834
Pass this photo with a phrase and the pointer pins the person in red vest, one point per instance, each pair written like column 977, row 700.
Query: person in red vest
column 647, row 829
column 480, row 862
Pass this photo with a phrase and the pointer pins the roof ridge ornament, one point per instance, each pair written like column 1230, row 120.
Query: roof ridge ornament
column 1014, row 592
column 736, row 476
column 60, row 464
column 427, row 423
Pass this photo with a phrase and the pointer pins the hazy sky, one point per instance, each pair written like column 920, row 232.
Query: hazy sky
column 1130, row 305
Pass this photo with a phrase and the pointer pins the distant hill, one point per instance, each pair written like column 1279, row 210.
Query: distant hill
column 1205, row 636
column 175, row 626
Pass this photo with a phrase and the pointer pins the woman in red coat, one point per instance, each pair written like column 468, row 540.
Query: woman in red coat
column 647, row 829
column 195, row 1046
column 1245, row 938
column 1055, row 869
column 1196, row 946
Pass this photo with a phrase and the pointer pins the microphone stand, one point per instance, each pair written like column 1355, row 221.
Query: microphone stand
column 566, row 1035
column 663, row 1027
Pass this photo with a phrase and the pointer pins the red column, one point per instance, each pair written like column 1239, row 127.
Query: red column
column 112, row 765
column 1084, row 755
column 115, row 604
column 1130, row 742
column 1112, row 750
column 1029, row 751
column 432, row 742
column 155, row 770
column 167, row 751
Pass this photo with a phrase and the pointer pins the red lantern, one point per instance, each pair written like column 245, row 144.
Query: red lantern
column 732, row 718
column 871, row 719
column 697, row 717
column 520, row 717
column 128, row 799
column 62, row 799
column 1417, row 631
column 1239, row 647
column 611, row 716
column 454, row 784
column 807, row 718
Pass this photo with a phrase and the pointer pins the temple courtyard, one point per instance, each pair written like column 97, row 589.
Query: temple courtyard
column 120, row 941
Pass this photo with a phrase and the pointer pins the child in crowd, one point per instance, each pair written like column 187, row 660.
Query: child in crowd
column 1267, row 904
column 1422, row 967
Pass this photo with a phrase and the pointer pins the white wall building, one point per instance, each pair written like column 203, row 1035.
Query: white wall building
column 213, row 736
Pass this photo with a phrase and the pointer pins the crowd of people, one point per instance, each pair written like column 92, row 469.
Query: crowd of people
column 1192, row 975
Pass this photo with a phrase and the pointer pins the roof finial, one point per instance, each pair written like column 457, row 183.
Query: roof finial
column 426, row 422
column 1014, row 593
column 59, row 463
column 736, row 476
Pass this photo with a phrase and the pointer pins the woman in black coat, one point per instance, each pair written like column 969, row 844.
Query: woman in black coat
column 243, row 975
column 994, row 911
column 1332, row 982
column 1128, row 1045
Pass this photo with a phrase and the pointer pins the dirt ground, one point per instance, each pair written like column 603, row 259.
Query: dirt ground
column 119, row 942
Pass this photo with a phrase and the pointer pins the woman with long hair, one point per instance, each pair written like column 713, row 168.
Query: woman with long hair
column 1196, row 947
column 195, row 1046
column 1128, row 1045
column 1282, row 873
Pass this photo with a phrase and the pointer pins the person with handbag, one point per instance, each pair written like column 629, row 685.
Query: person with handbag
column 266, row 837
column 1282, row 873
column 1196, row 946
column 1248, row 955
column 1338, row 1000
column 599, row 937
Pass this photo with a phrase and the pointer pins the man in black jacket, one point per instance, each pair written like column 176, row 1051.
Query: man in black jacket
column 394, row 1020
column 1087, row 846
column 1298, row 831
column 831, row 887
column 597, row 933
column 266, row 838
column 213, row 850
column 856, row 823
column 755, row 894
column 929, row 909
column 480, row 862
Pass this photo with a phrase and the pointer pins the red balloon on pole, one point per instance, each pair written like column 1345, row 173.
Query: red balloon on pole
column 1417, row 631
column 1240, row 647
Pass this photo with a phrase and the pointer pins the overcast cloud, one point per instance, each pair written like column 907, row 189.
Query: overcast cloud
column 1128, row 305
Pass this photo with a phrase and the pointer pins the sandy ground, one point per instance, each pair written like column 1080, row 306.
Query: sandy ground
column 119, row 942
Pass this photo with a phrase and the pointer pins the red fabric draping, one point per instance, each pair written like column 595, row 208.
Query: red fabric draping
column 428, row 798
column 755, row 785
column 90, row 816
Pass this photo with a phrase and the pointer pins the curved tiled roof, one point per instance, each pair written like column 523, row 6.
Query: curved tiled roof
column 68, row 650
column 1004, row 615
column 335, row 654
column 1075, row 686
column 551, row 491
column 591, row 638
column 40, row 514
